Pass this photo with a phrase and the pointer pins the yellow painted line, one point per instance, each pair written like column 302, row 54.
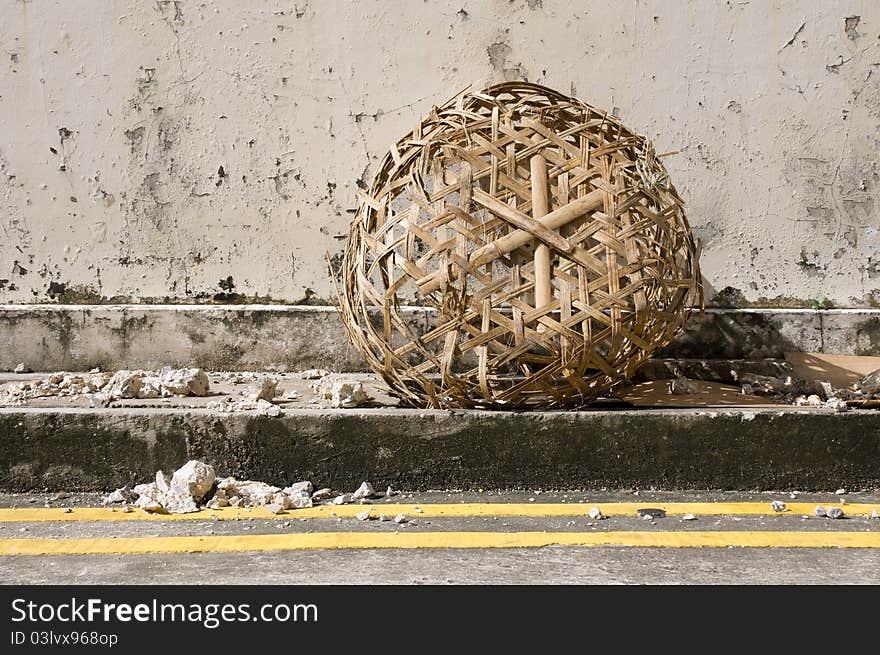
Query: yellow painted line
column 38, row 514
column 361, row 540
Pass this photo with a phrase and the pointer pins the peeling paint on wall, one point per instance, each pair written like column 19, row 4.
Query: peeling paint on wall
column 151, row 150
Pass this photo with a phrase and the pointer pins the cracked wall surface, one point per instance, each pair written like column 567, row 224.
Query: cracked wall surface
column 181, row 150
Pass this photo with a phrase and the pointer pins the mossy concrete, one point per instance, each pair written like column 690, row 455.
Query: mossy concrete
column 800, row 449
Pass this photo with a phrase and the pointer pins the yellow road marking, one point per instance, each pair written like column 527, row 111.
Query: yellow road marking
column 359, row 540
column 37, row 514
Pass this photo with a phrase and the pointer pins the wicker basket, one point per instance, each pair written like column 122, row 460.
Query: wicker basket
column 547, row 237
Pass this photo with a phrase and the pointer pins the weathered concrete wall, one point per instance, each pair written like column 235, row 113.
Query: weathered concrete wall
column 151, row 150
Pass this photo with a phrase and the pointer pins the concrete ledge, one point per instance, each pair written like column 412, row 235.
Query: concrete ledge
column 804, row 449
column 282, row 337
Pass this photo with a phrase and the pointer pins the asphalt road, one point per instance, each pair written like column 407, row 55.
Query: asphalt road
column 478, row 539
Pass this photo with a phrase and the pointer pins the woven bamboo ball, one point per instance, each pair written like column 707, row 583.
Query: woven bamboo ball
column 545, row 236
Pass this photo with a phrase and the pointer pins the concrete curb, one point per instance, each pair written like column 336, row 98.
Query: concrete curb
column 804, row 449
column 284, row 337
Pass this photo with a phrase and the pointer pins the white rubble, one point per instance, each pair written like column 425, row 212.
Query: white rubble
column 262, row 407
column 21, row 368
column 263, row 389
column 400, row 519
column 124, row 384
column 834, row 513
column 313, row 374
column 820, row 511
column 837, row 404
column 688, row 517
column 121, row 495
column 778, row 506
column 341, row 392
column 364, row 491
column 185, row 381
column 808, row 401
column 101, row 388
column 595, row 513
column 194, row 478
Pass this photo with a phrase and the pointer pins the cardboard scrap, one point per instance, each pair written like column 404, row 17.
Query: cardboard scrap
column 839, row 370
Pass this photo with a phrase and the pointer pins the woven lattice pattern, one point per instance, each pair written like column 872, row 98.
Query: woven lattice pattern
column 547, row 236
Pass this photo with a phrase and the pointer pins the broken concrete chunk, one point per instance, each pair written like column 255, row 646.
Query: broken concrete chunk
column 364, row 491
column 304, row 487
column 123, row 384
column 688, row 517
column 808, row 401
column 819, row 511
column 840, row 492
column 837, row 404
column 682, row 386
column 400, row 519
column 595, row 513
column 264, row 389
column 21, row 368
column 194, row 478
column 322, row 494
column 834, row 513
column 162, row 481
column 342, row 499
column 121, row 495
column 185, row 381
column 778, row 506
column 275, row 508
column 250, row 492
column 314, row 374
column 363, row 516
column 875, row 514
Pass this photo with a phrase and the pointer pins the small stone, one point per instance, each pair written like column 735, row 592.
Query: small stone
column 61, row 495
column 840, row 492
column 400, row 519
column 688, row 517
column 364, row 491
column 275, row 508
column 595, row 513
column 647, row 517
column 875, row 514
column 682, row 386
column 837, row 404
column 67, row 510
column 834, row 513
column 21, row 368
column 820, row 511
column 126, row 510
column 121, row 495
column 322, row 494
column 314, row 374
column 384, row 517
column 390, row 492
column 342, row 499
column 363, row 516
column 778, row 506
column 264, row 389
